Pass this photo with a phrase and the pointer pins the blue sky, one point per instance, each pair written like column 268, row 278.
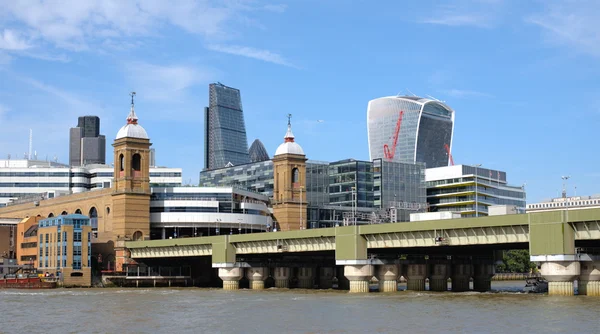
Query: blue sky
column 523, row 76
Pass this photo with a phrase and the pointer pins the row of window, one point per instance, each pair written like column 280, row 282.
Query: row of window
column 563, row 204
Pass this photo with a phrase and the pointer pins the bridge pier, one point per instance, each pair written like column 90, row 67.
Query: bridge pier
column 231, row 277
column 282, row 277
column 438, row 280
column 326, row 277
column 359, row 277
column 256, row 276
column 560, row 276
column 306, row 277
column 387, row 275
column 461, row 277
column 482, row 277
column 416, row 275
column 589, row 279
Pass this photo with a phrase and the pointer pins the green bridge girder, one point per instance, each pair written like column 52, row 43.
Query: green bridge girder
column 548, row 233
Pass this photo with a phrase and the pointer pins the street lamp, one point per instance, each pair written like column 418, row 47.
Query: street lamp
column 476, row 196
column 217, row 230
column 564, row 191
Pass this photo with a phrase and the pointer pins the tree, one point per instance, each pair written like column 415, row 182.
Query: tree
column 516, row 261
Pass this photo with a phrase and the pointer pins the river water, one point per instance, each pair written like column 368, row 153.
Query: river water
column 195, row 310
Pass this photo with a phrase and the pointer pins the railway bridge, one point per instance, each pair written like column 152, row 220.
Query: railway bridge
column 460, row 249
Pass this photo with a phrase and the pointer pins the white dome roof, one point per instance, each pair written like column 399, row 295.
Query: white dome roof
column 289, row 148
column 132, row 131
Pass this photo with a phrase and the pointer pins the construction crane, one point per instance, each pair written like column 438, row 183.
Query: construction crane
column 389, row 154
column 449, row 154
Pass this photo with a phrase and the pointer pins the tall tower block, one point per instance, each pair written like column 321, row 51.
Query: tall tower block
column 131, row 186
column 289, row 194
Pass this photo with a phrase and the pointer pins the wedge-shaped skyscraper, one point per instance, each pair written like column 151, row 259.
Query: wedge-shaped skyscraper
column 410, row 129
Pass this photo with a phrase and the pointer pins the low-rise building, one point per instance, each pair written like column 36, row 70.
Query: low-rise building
column 562, row 203
column 27, row 242
column 65, row 249
column 470, row 190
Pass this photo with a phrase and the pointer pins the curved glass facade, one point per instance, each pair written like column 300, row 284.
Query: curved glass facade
column 426, row 128
column 258, row 152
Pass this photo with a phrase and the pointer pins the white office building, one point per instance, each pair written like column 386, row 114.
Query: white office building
column 566, row 203
column 22, row 180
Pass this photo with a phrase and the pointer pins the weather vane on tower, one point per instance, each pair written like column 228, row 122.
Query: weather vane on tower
column 132, row 94
column 289, row 119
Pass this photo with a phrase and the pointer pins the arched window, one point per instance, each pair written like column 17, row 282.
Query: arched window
column 50, row 215
column 78, row 211
column 107, row 210
column 93, row 213
column 137, row 235
column 136, row 162
column 64, row 213
column 121, row 162
column 295, row 175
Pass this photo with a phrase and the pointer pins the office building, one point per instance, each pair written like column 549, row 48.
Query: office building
column 258, row 152
column 410, row 129
column 225, row 141
column 26, row 179
column 65, row 249
column 568, row 203
column 86, row 145
column 470, row 190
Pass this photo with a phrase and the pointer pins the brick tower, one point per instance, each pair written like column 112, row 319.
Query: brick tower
column 289, row 194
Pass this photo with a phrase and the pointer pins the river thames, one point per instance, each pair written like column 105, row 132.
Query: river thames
column 194, row 310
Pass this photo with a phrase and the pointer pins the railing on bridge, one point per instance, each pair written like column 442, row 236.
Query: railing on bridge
column 134, row 270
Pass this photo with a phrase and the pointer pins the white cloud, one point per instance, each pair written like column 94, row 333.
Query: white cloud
column 168, row 82
column 246, row 51
column 571, row 23
column 75, row 24
column 463, row 93
column 475, row 13
column 11, row 40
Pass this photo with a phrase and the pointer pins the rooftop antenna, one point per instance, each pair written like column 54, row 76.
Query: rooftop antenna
column 564, row 191
column 9, row 156
column 413, row 94
column 30, row 143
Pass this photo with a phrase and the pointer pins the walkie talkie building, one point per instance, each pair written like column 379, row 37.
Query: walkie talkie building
column 410, row 129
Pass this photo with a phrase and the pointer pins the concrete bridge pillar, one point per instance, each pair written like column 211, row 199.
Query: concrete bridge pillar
column 438, row 279
column 560, row 276
column 416, row 275
column 306, row 277
column 359, row 277
column 461, row 277
column 482, row 277
column 326, row 275
column 387, row 275
column 282, row 277
column 231, row 277
column 256, row 276
column 589, row 279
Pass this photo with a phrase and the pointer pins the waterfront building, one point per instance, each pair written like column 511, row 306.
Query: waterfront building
column 27, row 242
column 225, row 141
column 8, row 236
column 410, row 129
column 65, row 248
column 204, row 211
column 258, row 152
column 27, row 179
column 562, row 203
column 86, row 144
column 470, row 190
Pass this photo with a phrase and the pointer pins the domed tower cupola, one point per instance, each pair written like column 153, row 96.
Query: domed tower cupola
column 289, row 193
column 131, row 181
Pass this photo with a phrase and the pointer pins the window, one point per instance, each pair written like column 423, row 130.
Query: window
column 295, row 175
column 76, row 236
column 136, row 162
column 121, row 162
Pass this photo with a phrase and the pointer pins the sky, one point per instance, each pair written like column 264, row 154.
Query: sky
column 522, row 76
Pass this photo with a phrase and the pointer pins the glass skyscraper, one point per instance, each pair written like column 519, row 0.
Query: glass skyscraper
column 410, row 129
column 225, row 141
